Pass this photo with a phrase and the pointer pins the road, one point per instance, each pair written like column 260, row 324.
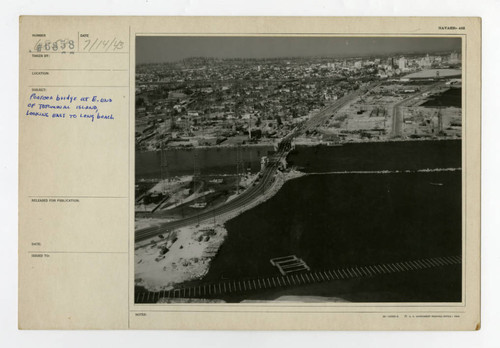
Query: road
column 236, row 204
column 397, row 117
column 323, row 115
column 254, row 192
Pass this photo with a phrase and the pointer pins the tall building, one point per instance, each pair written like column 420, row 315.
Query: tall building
column 454, row 58
column 425, row 62
column 402, row 63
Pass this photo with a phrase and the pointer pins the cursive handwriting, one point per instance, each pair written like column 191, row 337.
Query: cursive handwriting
column 68, row 106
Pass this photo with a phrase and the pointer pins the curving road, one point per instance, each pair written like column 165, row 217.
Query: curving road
column 237, row 203
column 260, row 188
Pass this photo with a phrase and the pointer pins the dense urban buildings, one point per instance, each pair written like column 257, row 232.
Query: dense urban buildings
column 225, row 102
column 232, row 150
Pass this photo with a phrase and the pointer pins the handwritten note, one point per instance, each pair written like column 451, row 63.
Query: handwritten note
column 69, row 106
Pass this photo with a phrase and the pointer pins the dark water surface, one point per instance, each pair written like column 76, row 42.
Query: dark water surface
column 331, row 220
column 334, row 220
column 451, row 97
column 409, row 155
column 214, row 160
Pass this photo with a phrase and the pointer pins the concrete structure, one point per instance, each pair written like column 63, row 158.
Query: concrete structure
column 402, row 63
column 455, row 58
column 263, row 162
column 433, row 73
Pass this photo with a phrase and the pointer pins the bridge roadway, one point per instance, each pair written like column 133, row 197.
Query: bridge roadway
column 255, row 191
column 224, row 288
column 327, row 112
column 237, row 203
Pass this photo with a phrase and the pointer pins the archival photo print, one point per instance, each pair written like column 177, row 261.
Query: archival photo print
column 304, row 169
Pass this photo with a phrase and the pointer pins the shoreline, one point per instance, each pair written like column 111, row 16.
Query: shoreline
column 372, row 141
column 192, row 257
column 428, row 170
column 194, row 261
column 307, row 143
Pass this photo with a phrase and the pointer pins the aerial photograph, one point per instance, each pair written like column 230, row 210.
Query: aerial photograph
column 298, row 169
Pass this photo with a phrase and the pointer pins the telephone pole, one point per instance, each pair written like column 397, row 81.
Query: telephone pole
column 164, row 175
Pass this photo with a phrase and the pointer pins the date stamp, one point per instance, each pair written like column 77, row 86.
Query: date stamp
column 98, row 44
column 81, row 43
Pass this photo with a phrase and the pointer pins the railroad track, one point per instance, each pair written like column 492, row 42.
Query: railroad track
column 217, row 290
column 236, row 204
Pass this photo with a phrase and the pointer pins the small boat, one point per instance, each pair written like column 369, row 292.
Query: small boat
column 436, row 183
column 198, row 205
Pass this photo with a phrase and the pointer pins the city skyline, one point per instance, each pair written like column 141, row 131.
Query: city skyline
column 247, row 172
column 163, row 49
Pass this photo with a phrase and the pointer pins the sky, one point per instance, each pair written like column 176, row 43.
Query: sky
column 159, row 49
